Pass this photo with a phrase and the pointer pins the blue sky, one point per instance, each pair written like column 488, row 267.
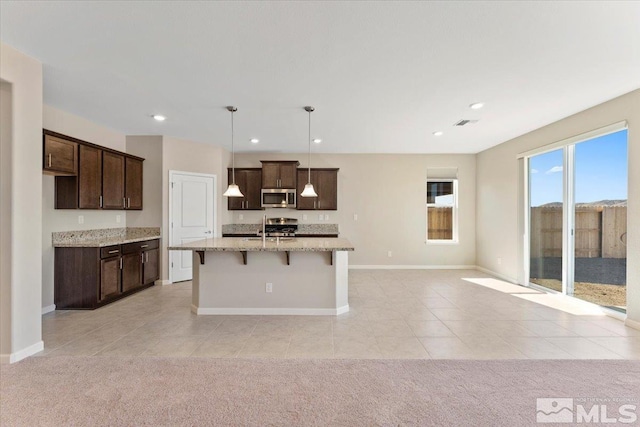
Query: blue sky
column 601, row 171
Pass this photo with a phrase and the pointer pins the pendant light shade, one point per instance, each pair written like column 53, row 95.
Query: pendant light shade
column 309, row 191
column 233, row 190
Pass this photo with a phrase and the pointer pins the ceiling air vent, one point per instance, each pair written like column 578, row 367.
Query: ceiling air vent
column 465, row 122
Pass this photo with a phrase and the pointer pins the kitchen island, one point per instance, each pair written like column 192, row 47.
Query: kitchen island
column 304, row 276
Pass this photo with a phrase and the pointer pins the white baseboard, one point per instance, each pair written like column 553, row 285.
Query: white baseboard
column 632, row 323
column 163, row 282
column 498, row 275
column 22, row 354
column 412, row 267
column 271, row 311
column 48, row 309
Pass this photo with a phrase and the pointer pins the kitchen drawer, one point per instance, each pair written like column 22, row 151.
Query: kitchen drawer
column 140, row 246
column 110, row 251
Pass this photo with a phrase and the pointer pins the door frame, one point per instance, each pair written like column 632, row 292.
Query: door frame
column 172, row 173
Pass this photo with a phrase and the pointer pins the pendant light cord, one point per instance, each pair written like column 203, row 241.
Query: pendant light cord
column 309, row 159
column 233, row 154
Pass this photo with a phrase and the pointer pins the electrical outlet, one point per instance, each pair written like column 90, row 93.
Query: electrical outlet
column 389, row 254
column 268, row 287
column 304, row 217
column 240, row 216
column 320, row 217
column 326, row 217
column 355, row 217
column 80, row 219
column 118, row 218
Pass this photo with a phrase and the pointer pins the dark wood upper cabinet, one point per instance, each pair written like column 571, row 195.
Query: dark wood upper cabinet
column 90, row 178
column 249, row 180
column 60, row 156
column 133, row 187
column 325, row 183
column 112, row 181
column 279, row 174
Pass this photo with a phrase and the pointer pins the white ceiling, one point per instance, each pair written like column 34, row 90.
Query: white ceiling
column 382, row 75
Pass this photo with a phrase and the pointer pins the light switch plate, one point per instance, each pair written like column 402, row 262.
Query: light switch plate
column 80, row 219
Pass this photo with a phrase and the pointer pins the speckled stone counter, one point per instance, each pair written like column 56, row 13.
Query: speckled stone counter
column 244, row 244
column 303, row 229
column 103, row 237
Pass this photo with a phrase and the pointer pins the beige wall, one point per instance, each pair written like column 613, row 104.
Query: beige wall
column 66, row 220
column 25, row 76
column 388, row 194
column 500, row 191
column 5, row 216
column 149, row 148
column 188, row 156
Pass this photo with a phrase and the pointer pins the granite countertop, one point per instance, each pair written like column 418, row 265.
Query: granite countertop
column 103, row 237
column 242, row 244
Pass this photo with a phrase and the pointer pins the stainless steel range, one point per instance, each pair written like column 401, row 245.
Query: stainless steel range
column 280, row 227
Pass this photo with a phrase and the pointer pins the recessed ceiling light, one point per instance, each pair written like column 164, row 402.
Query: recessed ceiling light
column 159, row 117
column 254, row 140
column 438, row 133
column 317, row 140
column 476, row 105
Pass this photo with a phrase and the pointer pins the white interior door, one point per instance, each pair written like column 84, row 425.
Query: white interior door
column 192, row 210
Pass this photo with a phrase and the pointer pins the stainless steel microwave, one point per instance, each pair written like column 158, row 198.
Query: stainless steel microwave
column 278, row 198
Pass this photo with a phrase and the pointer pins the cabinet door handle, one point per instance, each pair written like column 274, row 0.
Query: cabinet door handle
column 246, row 206
column 124, row 202
column 147, row 254
column 315, row 204
column 128, row 202
column 100, row 201
column 115, row 251
column 121, row 263
column 144, row 246
column 142, row 257
column 49, row 159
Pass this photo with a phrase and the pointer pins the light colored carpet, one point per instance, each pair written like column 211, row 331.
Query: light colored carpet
column 170, row 391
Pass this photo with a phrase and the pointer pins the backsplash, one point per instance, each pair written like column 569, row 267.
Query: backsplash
column 302, row 228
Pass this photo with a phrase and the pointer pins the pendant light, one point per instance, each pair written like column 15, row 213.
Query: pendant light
column 308, row 188
column 233, row 190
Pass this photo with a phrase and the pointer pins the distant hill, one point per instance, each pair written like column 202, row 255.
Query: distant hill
column 621, row 203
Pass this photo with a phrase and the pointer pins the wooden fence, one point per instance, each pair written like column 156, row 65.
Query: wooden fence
column 440, row 223
column 599, row 232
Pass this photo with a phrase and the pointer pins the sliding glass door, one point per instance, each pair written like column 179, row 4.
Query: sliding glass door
column 600, row 261
column 578, row 217
column 545, row 213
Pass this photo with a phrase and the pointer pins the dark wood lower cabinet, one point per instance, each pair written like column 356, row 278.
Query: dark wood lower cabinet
column 131, row 271
column 87, row 278
column 110, row 277
column 150, row 266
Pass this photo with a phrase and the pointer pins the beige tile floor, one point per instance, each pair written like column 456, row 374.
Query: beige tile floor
column 395, row 314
